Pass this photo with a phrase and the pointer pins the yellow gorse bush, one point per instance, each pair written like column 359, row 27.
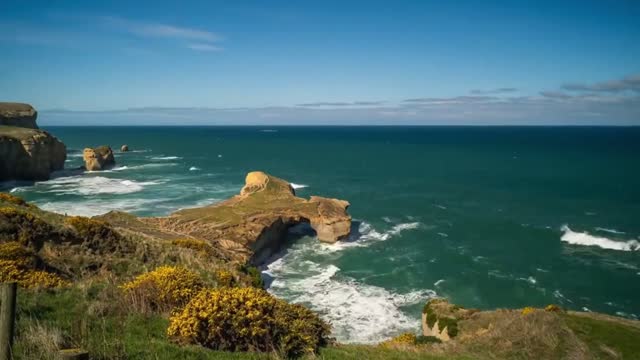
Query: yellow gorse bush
column 13, row 199
column 553, row 308
column 16, row 265
column 248, row 319
column 224, row 278
column 528, row 310
column 163, row 289
column 24, row 227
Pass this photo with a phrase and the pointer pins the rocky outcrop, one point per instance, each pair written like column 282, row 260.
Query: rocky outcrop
column 124, row 148
column 251, row 226
column 100, row 158
column 18, row 114
column 27, row 153
column 440, row 319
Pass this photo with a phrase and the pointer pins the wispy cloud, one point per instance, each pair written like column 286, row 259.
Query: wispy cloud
column 503, row 90
column 629, row 83
column 451, row 100
column 555, row 95
column 158, row 30
column 340, row 104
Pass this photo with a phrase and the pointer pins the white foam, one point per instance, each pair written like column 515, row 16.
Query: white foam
column 193, row 168
column 440, row 206
column 166, row 158
column 585, row 239
column 90, row 185
column 438, row 282
column 367, row 235
column 298, row 186
column 97, row 206
column 359, row 313
column 151, row 165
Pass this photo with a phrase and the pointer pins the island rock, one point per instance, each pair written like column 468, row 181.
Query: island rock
column 100, row 158
column 124, row 148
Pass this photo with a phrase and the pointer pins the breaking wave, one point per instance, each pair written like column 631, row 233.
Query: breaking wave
column 83, row 185
column 298, row 186
column 586, row 239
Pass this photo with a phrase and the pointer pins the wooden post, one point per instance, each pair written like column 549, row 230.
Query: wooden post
column 7, row 318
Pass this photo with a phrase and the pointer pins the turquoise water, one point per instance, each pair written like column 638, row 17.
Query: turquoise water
column 487, row 217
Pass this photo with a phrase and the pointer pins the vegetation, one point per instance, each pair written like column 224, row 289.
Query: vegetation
column 243, row 319
column 13, row 200
column 528, row 310
column 17, row 264
column 607, row 338
column 450, row 323
column 163, row 289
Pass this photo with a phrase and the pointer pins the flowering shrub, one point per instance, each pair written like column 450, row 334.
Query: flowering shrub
column 24, row 227
column 248, row 319
column 224, row 278
column 163, row 289
column 553, row 308
column 16, row 265
column 402, row 339
column 528, row 310
column 13, row 199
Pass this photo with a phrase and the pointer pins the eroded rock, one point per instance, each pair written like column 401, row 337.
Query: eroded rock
column 100, row 158
column 253, row 225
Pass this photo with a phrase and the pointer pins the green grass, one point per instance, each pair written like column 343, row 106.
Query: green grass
column 135, row 336
column 602, row 336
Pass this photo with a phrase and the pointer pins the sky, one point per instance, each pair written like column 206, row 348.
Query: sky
column 323, row 62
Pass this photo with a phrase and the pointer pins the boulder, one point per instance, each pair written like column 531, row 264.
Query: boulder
column 124, row 148
column 253, row 225
column 18, row 114
column 100, row 158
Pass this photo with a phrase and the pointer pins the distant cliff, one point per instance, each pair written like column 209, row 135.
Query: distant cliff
column 27, row 153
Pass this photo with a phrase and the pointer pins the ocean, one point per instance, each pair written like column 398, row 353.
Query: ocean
column 487, row 217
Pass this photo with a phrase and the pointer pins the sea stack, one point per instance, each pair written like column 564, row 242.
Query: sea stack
column 26, row 152
column 99, row 158
column 124, row 148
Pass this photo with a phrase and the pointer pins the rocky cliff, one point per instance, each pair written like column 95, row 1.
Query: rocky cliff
column 100, row 158
column 26, row 153
column 18, row 114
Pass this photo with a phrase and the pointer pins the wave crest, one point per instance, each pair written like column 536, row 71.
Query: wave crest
column 586, row 239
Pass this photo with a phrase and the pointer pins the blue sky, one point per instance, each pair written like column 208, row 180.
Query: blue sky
column 323, row 62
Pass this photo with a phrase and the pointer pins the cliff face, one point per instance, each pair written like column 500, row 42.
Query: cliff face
column 17, row 114
column 26, row 153
column 99, row 158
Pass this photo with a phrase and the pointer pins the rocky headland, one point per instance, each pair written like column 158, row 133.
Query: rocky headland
column 251, row 226
column 27, row 153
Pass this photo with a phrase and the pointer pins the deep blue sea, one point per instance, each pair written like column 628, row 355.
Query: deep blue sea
column 485, row 216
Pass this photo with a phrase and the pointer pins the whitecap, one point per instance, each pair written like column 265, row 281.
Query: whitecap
column 91, row 185
column 359, row 313
column 531, row 280
column 443, row 234
column 438, row 282
column 98, row 206
column 585, row 239
column 166, row 158
column 151, row 165
column 440, row 206
column 268, row 130
column 298, row 186
column 193, row 168
column 366, row 235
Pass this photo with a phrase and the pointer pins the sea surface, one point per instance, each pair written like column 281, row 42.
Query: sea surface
column 487, row 217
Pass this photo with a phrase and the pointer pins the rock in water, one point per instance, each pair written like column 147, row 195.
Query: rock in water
column 100, row 158
column 18, row 114
column 124, row 148
column 27, row 153
column 253, row 225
